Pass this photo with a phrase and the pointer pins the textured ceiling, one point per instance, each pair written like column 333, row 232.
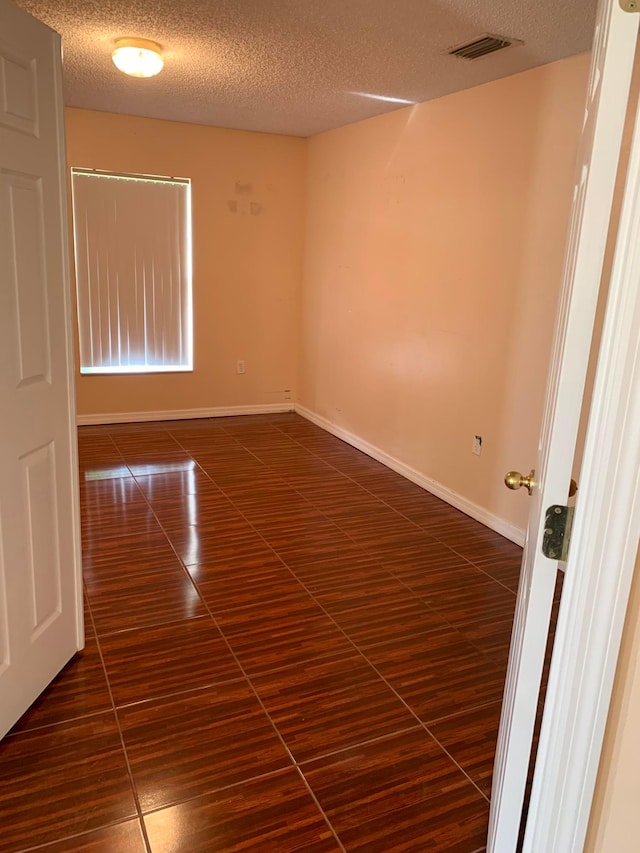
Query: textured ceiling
column 299, row 66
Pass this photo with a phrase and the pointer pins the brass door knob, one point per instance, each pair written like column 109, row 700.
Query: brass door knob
column 515, row 480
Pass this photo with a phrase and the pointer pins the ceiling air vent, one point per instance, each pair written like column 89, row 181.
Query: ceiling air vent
column 481, row 46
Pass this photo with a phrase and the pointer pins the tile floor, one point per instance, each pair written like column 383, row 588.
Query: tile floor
column 289, row 647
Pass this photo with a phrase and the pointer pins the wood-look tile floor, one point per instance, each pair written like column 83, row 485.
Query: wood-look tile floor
column 289, row 647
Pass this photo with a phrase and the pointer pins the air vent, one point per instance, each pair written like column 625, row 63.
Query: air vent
column 482, row 46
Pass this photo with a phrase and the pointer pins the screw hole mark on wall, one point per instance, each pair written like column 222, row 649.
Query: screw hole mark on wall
column 253, row 208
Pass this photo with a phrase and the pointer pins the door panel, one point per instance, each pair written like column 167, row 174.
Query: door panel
column 40, row 581
column 18, row 109
column 44, row 578
column 607, row 95
column 29, row 284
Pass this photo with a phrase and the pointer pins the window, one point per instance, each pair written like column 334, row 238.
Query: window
column 132, row 238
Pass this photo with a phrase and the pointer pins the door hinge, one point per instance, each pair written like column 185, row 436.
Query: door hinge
column 557, row 532
column 629, row 5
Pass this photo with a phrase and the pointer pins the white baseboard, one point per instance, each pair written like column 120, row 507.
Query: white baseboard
column 183, row 414
column 494, row 522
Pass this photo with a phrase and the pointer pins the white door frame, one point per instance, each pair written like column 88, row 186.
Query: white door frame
column 601, row 561
column 615, row 38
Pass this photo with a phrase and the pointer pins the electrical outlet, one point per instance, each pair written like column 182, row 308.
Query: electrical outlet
column 240, row 366
column 477, row 445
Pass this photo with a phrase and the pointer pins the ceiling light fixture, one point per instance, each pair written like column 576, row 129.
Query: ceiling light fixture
column 138, row 57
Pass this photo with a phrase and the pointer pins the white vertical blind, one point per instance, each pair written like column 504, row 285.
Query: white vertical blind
column 133, row 272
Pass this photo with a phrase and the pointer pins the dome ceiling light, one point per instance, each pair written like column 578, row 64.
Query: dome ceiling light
column 138, row 57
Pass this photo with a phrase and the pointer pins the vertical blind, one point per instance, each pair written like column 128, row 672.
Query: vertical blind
column 133, row 272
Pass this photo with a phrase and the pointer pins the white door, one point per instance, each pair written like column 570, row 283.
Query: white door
column 41, row 610
column 611, row 67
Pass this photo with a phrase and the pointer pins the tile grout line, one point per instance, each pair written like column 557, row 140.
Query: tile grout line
column 447, row 717
column 134, row 789
column 397, row 511
column 47, row 844
column 361, row 653
column 346, row 533
column 336, row 524
column 378, row 560
column 357, row 649
column 242, row 670
column 273, row 725
column 355, row 646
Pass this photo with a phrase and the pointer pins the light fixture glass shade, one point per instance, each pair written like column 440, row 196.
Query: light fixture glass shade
column 138, row 57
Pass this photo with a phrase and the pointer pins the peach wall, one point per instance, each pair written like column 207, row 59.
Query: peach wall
column 246, row 265
column 434, row 249
column 613, row 824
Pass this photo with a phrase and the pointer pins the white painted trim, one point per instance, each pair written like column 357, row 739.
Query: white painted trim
column 72, row 511
column 601, row 561
column 183, row 414
column 494, row 522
